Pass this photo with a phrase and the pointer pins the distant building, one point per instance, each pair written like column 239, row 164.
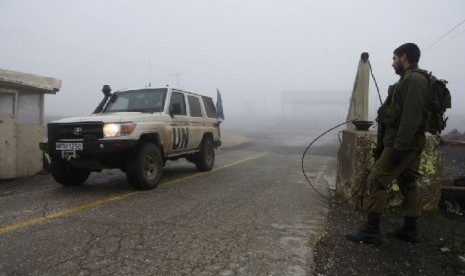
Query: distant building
column 22, row 121
column 320, row 109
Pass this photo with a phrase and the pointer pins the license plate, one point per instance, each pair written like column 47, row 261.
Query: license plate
column 69, row 146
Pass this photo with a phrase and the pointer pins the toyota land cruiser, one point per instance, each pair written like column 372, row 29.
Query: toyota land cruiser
column 137, row 131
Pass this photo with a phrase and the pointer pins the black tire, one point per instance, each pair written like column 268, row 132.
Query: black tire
column 67, row 175
column 145, row 168
column 205, row 158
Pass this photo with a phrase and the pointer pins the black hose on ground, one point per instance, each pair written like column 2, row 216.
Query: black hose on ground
column 310, row 183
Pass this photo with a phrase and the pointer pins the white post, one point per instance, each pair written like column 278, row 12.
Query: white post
column 359, row 101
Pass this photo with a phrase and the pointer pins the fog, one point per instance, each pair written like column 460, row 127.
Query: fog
column 254, row 52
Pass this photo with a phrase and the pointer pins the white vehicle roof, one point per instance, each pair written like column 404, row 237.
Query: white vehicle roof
column 154, row 88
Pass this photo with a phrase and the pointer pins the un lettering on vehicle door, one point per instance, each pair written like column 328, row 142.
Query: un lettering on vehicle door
column 196, row 129
column 180, row 136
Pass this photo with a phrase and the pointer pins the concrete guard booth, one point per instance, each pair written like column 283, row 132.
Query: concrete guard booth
column 21, row 121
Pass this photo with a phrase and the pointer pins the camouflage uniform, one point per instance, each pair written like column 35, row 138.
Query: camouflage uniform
column 404, row 120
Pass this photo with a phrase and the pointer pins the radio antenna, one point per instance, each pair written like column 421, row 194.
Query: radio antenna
column 150, row 69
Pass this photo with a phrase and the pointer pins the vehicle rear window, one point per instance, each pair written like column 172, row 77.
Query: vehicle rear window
column 194, row 105
column 209, row 107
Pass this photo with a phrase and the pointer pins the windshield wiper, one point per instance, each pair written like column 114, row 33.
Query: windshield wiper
column 128, row 110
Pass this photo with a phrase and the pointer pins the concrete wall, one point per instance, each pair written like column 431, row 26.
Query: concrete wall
column 20, row 134
column 355, row 161
column 7, row 147
column 28, row 154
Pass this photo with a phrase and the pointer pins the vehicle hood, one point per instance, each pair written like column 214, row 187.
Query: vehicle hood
column 110, row 117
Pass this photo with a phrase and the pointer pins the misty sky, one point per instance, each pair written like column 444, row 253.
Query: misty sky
column 252, row 50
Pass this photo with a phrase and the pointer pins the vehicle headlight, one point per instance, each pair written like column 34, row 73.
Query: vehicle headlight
column 118, row 129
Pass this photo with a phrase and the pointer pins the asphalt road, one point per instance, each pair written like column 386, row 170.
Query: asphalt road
column 254, row 214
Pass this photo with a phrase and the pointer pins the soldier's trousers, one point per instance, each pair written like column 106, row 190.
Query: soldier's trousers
column 406, row 174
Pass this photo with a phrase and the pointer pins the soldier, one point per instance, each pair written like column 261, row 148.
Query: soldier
column 401, row 139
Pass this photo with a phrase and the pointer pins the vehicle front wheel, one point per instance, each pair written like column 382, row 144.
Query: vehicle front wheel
column 205, row 158
column 67, row 175
column 144, row 169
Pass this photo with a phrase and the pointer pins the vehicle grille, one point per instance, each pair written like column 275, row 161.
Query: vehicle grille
column 82, row 130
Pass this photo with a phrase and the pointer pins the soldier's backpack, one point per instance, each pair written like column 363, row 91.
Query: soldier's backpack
column 439, row 100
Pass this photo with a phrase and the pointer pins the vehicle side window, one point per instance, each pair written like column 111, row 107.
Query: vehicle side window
column 178, row 98
column 209, row 107
column 194, row 105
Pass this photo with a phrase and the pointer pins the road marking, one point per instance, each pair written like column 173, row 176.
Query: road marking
column 82, row 207
column 30, row 222
column 167, row 184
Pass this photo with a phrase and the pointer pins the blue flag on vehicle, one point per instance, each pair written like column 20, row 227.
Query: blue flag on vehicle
column 219, row 106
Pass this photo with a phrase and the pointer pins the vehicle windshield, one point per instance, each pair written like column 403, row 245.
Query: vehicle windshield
column 143, row 100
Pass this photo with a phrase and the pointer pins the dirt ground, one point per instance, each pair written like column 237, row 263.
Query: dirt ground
column 441, row 250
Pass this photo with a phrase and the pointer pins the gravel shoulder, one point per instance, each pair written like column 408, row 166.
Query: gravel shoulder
column 441, row 250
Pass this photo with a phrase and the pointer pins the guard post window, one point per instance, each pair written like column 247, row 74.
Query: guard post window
column 29, row 108
column 7, row 103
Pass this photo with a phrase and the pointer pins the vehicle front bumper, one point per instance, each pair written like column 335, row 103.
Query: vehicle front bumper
column 95, row 148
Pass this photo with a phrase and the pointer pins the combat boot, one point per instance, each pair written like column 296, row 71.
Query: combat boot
column 369, row 233
column 408, row 231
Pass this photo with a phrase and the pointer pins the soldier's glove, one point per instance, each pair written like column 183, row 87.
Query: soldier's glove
column 377, row 152
column 396, row 157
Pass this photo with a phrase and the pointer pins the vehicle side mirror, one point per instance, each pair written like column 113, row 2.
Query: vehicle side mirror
column 175, row 109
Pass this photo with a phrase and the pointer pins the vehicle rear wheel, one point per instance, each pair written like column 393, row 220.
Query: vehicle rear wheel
column 205, row 158
column 145, row 168
column 67, row 175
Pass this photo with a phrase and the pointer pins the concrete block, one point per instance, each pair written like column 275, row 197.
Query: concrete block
column 355, row 162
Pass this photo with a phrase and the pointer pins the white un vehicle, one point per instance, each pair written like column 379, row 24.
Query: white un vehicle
column 136, row 131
